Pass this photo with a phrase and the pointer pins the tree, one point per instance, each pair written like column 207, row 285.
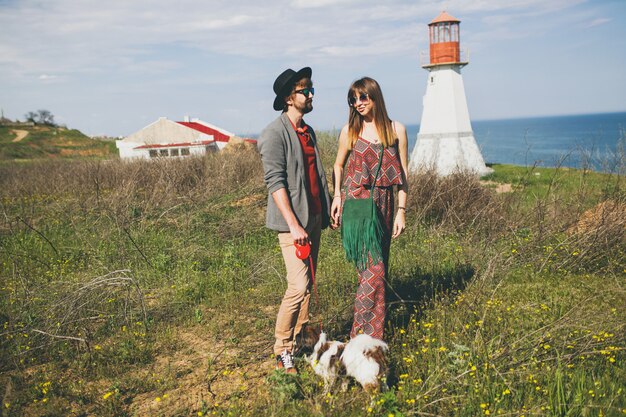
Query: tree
column 46, row 118
column 31, row 116
column 41, row 117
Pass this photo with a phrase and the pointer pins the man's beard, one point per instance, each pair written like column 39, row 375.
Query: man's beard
column 306, row 107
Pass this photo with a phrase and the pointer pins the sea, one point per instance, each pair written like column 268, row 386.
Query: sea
column 593, row 141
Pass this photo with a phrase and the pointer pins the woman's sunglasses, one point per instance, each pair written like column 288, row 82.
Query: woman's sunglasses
column 306, row 91
column 363, row 98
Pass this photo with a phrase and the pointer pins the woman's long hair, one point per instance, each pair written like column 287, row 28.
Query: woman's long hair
column 381, row 118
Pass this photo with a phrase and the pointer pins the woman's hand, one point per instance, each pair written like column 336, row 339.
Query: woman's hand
column 335, row 209
column 398, row 224
column 342, row 154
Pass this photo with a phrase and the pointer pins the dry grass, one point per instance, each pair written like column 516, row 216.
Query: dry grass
column 151, row 287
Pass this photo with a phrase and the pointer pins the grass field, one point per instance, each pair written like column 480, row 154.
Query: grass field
column 150, row 288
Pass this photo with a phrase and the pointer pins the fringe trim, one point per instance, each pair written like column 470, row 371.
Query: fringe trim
column 362, row 238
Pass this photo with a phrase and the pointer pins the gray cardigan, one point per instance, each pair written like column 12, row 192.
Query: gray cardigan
column 284, row 167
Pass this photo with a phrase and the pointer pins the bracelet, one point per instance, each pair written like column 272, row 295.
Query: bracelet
column 337, row 196
column 402, row 208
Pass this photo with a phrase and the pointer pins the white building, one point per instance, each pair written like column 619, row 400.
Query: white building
column 446, row 141
column 167, row 138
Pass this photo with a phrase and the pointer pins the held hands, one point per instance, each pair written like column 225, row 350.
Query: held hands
column 399, row 223
column 335, row 209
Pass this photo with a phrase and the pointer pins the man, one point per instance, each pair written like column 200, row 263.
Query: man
column 298, row 205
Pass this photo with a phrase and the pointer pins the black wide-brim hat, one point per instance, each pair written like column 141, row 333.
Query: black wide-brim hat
column 284, row 83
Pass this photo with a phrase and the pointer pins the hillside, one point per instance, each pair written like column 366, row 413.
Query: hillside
column 151, row 288
column 36, row 142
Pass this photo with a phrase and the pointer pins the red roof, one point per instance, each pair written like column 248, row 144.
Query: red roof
column 444, row 17
column 175, row 145
column 217, row 135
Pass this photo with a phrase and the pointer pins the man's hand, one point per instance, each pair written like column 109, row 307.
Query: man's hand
column 299, row 235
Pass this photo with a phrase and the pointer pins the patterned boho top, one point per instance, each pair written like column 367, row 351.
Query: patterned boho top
column 362, row 165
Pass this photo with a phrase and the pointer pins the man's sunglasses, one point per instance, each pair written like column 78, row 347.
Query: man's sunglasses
column 363, row 98
column 306, row 91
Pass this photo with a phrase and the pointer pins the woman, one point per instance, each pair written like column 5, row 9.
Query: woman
column 369, row 130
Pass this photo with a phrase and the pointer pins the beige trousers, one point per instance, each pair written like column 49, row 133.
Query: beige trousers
column 294, row 309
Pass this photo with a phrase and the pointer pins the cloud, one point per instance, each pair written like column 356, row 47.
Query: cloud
column 140, row 47
column 599, row 22
column 66, row 37
column 230, row 22
column 160, row 55
column 69, row 37
column 311, row 4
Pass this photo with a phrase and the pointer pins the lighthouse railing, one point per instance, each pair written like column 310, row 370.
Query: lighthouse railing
column 464, row 55
column 424, row 57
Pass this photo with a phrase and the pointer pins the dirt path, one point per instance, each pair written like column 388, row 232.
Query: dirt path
column 204, row 374
column 19, row 134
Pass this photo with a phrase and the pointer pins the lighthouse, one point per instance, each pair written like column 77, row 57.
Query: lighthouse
column 445, row 141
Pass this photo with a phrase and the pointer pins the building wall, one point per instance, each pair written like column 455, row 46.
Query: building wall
column 127, row 152
column 164, row 132
column 445, row 105
column 445, row 141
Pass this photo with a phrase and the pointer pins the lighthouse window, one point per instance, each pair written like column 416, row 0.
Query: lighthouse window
column 443, row 32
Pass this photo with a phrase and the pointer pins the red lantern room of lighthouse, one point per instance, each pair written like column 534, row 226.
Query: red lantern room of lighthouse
column 445, row 41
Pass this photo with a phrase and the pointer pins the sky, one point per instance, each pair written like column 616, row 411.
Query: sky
column 111, row 68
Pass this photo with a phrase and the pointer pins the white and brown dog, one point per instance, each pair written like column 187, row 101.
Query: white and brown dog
column 362, row 358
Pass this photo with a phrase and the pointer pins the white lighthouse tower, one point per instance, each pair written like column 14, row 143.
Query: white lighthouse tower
column 445, row 141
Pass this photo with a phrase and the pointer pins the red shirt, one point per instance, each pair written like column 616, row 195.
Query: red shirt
column 312, row 179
